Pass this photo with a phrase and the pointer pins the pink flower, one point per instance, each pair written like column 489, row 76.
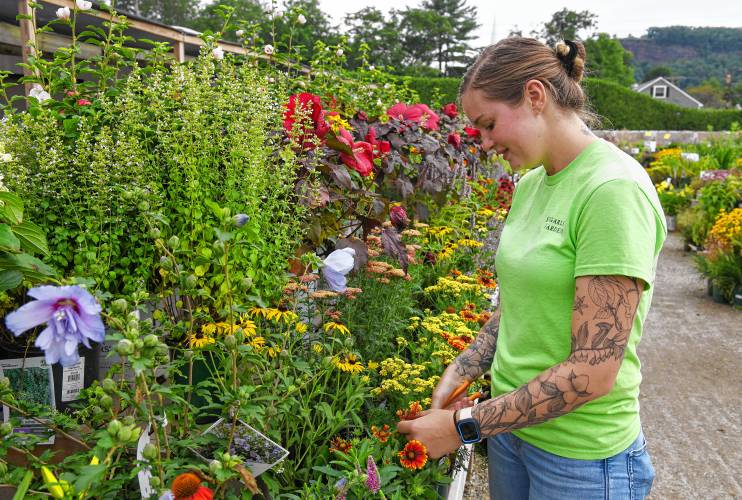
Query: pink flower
column 398, row 216
column 317, row 126
column 450, row 110
column 454, row 139
column 373, row 481
column 362, row 159
column 417, row 113
column 472, row 133
column 83, row 102
column 380, row 147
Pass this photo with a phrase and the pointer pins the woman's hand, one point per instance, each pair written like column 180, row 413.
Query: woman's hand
column 450, row 381
column 435, row 429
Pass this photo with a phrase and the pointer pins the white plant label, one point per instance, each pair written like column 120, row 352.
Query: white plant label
column 73, row 378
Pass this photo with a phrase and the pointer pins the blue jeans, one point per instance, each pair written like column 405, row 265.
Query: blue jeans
column 520, row 471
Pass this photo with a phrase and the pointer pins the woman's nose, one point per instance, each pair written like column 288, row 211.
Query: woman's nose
column 487, row 143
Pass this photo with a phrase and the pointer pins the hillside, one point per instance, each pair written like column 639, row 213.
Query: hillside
column 692, row 53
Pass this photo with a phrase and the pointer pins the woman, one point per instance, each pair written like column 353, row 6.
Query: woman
column 575, row 266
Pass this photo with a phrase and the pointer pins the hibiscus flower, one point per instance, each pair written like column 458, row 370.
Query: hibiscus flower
column 380, row 147
column 450, row 110
column 417, row 113
column 318, row 126
column 362, row 158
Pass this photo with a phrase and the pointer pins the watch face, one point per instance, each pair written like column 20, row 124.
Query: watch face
column 469, row 430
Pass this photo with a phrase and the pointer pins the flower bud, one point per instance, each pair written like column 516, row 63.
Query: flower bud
column 143, row 205
column 246, row 282
column 191, row 281
column 154, row 481
column 124, row 434
column 128, row 420
column 155, row 233
column 215, row 466
column 114, row 426
column 4, row 383
column 106, row 402
column 5, row 428
column 173, row 242
column 230, row 341
column 120, row 305
column 150, row 451
column 151, row 340
column 108, row 385
column 125, row 347
column 187, row 354
column 240, row 219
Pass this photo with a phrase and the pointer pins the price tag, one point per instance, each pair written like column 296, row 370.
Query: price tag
column 72, row 381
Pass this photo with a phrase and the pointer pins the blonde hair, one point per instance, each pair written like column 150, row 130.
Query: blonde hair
column 502, row 70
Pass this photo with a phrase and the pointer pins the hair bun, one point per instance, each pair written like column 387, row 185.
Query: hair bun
column 572, row 57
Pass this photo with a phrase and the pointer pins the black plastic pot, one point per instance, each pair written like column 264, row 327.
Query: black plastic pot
column 90, row 372
column 718, row 295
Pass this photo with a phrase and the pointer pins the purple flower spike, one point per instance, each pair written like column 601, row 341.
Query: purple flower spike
column 72, row 316
column 373, row 483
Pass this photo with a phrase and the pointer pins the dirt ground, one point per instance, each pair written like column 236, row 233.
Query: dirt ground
column 691, row 394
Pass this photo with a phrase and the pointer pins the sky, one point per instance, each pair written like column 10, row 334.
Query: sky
column 617, row 17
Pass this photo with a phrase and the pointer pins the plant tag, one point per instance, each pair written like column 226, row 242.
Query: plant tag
column 260, row 452
column 32, row 380
column 145, row 474
column 72, row 381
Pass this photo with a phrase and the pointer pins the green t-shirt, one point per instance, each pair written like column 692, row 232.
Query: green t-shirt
column 598, row 216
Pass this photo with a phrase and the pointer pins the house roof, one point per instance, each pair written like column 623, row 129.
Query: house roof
column 667, row 82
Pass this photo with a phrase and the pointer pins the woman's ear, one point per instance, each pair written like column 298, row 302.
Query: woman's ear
column 535, row 95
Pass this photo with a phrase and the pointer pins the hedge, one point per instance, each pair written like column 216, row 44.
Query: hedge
column 617, row 106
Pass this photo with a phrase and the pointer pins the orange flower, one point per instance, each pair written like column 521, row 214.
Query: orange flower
column 468, row 315
column 341, row 445
column 187, row 486
column 382, row 434
column 484, row 318
column 414, row 455
column 411, row 413
column 460, row 342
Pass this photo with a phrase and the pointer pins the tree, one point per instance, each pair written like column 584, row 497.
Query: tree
column 452, row 36
column 607, row 59
column 565, row 24
column 246, row 12
column 655, row 72
column 173, row 12
column 380, row 34
column 710, row 93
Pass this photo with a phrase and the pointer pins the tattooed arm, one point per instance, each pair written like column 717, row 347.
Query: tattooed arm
column 474, row 361
column 603, row 315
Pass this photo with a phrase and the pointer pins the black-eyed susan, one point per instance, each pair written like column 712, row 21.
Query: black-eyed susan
column 248, row 327
column 199, row 341
column 414, row 455
column 338, row 327
column 257, row 343
column 301, row 328
column 348, row 363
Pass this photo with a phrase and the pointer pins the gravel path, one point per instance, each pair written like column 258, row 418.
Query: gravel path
column 691, row 395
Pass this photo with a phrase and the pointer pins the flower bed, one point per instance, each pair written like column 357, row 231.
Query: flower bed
column 277, row 269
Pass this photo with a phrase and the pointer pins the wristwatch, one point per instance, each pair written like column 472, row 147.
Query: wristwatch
column 466, row 426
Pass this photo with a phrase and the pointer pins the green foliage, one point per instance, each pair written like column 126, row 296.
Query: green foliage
column 622, row 108
column 447, row 89
column 565, row 25
column 607, row 60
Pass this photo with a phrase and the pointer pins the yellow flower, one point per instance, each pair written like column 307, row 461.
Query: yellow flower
column 301, row 328
column 208, row 329
column 331, row 325
column 273, row 351
column 257, row 343
column 348, row 363
column 248, row 327
column 277, row 315
column 199, row 342
column 469, row 243
column 256, row 311
column 373, row 365
column 317, row 348
column 336, row 122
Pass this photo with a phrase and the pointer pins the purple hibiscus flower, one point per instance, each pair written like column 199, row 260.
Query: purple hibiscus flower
column 72, row 316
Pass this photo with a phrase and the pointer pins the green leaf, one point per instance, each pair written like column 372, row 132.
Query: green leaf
column 10, row 280
column 33, row 239
column 8, row 241
column 89, row 474
column 223, row 236
column 20, row 493
column 12, row 208
column 30, row 266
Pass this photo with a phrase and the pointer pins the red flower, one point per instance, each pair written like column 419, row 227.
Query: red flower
column 414, row 455
column 340, row 445
column 362, row 159
column 362, row 116
column 411, row 413
column 398, row 216
column 83, row 102
column 382, row 434
column 71, row 93
column 187, row 486
column 380, row 147
column 450, row 110
column 454, row 139
column 313, row 104
column 418, row 113
column 472, row 133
